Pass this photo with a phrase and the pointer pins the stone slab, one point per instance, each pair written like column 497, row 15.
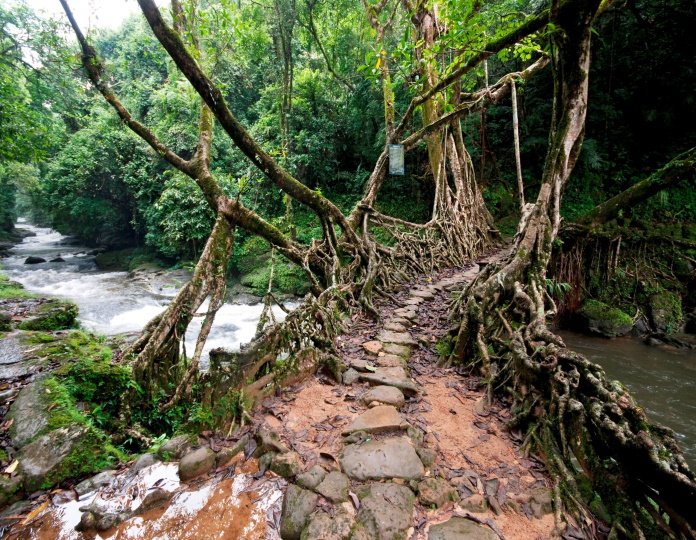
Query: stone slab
column 377, row 420
column 378, row 460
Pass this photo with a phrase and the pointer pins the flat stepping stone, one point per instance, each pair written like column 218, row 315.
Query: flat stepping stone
column 424, row 294
column 379, row 460
column 362, row 365
column 458, row 528
column 395, row 327
column 391, row 376
column 372, row 347
column 390, row 360
column 406, row 312
column 397, row 349
column 334, row 487
column 377, row 420
column 402, row 321
column 413, row 301
column 387, row 395
column 386, row 512
column 400, row 338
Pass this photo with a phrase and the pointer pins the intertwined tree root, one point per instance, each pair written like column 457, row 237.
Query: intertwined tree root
column 594, row 439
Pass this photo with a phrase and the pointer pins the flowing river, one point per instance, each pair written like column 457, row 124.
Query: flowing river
column 114, row 302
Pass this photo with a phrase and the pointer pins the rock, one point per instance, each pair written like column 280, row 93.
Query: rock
column 10, row 393
column 386, row 458
column 458, row 528
column 53, row 314
column 350, row 376
column 143, row 461
column 175, row 448
column 57, row 260
column 362, row 365
column 599, row 318
column 324, row 527
column 387, row 395
column 425, row 294
column 372, row 347
column 34, row 260
column 196, row 463
column 390, row 360
column 298, row 504
column 666, row 312
column 396, row 349
column 41, row 461
column 10, row 489
column 541, row 502
column 436, row 492
column 269, row 441
column 312, row 478
column 224, row 456
column 427, row 456
column 395, row 327
column 287, row 465
column 475, row 503
column 377, row 420
column 28, row 413
column 154, row 498
column 334, row 487
column 391, row 376
column 102, row 479
column 400, row 338
column 386, row 511
column 406, row 312
column 5, row 321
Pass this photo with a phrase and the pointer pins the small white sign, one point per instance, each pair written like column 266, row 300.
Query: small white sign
column 396, row 160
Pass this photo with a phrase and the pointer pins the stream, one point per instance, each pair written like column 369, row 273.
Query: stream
column 661, row 379
column 115, row 302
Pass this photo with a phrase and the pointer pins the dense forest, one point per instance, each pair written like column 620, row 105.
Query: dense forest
column 253, row 143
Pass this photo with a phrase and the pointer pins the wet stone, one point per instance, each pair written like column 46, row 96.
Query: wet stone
column 196, row 463
column 387, row 395
column 143, row 461
column 298, row 504
column 400, row 338
column 322, row 526
column 436, row 492
column 312, row 478
column 377, row 420
column 391, row 376
column 334, row 487
column 458, row 528
column 102, row 479
column 383, row 459
column 386, row 511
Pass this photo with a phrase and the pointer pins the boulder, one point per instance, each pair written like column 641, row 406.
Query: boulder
column 102, row 479
column 10, row 489
column 459, row 528
column 143, row 461
column 269, row 441
column 28, row 413
column 312, row 478
column 298, row 504
column 34, row 260
column 436, row 492
column 383, row 459
column 196, row 463
column 386, row 511
column 175, row 447
column 598, row 318
column 53, row 314
column 334, row 487
column 377, row 420
column 322, row 526
column 287, row 465
column 666, row 312
column 57, row 260
column 225, row 455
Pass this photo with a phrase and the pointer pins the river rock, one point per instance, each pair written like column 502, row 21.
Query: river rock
column 599, row 318
column 28, row 413
column 386, row 512
column 298, row 504
column 57, row 260
column 143, row 461
column 386, row 458
column 196, row 463
column 386, row 395
column 102, row 479
column 334, row 487
column 400, row 338
column 41, row 461
column 287, row 464
column 377, row 420
column 322, row 526
column 458, row 528
column 53, row 314
column 34, row 260
column 175, row 447
column 312, row 478
column 391, row 376
column 436, row 492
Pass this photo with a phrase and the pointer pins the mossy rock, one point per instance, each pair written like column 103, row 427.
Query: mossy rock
column 599, row 318
column 52, row 315
column 666, row 312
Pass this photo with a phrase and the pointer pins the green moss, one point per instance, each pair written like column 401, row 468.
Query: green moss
column 666, row 311
column 52, row 315
column 605, row 320
column 12, row 290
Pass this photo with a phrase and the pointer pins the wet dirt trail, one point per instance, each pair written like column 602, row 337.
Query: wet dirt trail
column 399, row 448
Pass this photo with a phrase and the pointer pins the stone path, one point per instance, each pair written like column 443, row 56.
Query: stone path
column 378, row 467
